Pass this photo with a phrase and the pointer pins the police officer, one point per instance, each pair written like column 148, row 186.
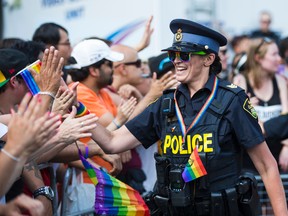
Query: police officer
column 205, row 121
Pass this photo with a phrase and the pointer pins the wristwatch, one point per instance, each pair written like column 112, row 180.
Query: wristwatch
column 45, row 191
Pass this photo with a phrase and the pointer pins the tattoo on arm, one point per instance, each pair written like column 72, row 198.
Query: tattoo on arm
column 33, row 166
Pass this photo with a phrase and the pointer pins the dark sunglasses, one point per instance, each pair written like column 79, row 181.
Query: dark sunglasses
column 137, row 63
column 264, row 40
column 183, row 56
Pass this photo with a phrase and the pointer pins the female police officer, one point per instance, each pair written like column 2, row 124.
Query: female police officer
column 205, row 115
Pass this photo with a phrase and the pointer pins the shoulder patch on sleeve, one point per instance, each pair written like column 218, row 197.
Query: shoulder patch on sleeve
column 247, row 106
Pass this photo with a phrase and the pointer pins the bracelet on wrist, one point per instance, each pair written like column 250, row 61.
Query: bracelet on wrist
column 10, row 155
column 116, row 124
column 47, row 93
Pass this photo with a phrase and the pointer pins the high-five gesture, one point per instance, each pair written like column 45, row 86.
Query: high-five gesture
column 49, row 78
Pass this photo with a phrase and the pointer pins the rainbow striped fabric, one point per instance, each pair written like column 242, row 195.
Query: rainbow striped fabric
column 28, row 78
column 3, row 79
column 113, row 197
column 119, row 35
column 82, row 110
column 194, row 167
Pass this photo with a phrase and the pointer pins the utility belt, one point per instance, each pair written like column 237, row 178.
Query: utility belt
column 216, row 204
column 172, row 193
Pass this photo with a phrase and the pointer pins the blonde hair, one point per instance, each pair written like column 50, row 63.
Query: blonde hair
column 258, row 49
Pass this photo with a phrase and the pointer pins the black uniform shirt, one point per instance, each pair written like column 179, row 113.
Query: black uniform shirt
column 237, row 126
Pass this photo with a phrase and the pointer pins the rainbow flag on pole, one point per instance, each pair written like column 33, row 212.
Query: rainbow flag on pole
column 194, row 167
column 113, row 197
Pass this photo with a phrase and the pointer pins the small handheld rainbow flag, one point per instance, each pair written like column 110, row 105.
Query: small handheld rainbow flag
column 194, row 167
column 28, row 78
column 82, row 110
column 113, row 197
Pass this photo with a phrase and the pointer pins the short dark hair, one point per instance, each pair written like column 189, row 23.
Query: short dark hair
column 4, row 87
column 48, row 33
column 216, row 66
column 237, row 39
column 9, row 42
column 82, row 74
column 31, row 49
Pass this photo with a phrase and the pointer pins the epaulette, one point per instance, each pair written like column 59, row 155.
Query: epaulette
column 224, row 98
column 230, row 86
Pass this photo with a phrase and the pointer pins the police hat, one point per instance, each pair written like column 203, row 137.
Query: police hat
column 193, row 37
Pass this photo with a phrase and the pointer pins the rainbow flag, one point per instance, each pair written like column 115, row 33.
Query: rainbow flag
column 81, row 110
column 194, row 167
column 3, row 79
column 114, row 197
column 28, row 78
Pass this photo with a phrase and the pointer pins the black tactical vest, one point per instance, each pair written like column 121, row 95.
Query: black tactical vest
column 222, row 168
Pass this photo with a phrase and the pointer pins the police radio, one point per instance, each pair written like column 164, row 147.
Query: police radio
column 168, row 107
column 180, row 192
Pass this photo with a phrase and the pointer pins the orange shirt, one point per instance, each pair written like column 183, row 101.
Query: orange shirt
column 98, row 105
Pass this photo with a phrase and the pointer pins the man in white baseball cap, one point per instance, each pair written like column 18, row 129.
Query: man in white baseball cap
column 92, row 68
column 91, row 51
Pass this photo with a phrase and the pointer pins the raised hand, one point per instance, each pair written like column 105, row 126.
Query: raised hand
column 145, row 41
column 64, row 99
column 48, row 80
column 125, row 109
column 167, row 81
column 27, row 129
column 126, row 91
column 73, row 128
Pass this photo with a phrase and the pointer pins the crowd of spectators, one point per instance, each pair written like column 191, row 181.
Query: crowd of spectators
column 46, row 129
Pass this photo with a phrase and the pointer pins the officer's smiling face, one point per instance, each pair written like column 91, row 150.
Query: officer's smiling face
column 192, row 70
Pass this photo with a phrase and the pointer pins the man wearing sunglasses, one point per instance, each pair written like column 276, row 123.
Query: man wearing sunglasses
column 204, row 125
column 128, row 72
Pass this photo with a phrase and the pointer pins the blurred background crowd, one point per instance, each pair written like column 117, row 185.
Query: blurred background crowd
column 114, row 80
